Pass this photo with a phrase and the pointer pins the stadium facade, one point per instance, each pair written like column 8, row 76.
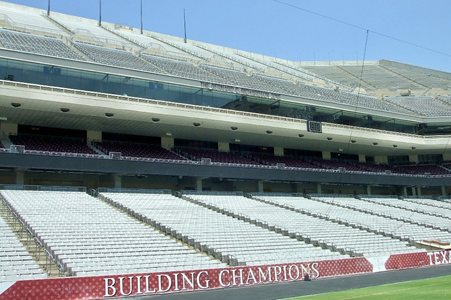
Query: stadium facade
column 188, row 166
column 277, row 125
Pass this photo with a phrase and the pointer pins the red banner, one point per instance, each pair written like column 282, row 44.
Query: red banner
column 108, row 287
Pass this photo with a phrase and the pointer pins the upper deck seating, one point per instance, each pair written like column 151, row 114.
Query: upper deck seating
column 37, row 44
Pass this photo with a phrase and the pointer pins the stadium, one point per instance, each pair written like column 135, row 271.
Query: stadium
column 136, row 163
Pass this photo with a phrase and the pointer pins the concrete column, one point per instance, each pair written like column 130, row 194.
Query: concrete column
column 223, row 147
column 414, row 192
column 117, row 181
column 404, row 191
column 413, row 158
column 362, row 158
column 368, row 189
column 446, row 156
column 167, row 142
column 326, row 155
column 443, row 190
column 279, row 151
column 20, row 177
column 94, row 135
column 381, row 160
column 260, row 186
column 9, row 128
column 199, row 184
column 419, row 191
column 318, row 188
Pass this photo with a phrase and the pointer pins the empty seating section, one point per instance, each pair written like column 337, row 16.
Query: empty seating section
column 88, row 237
column 136, row 150
column 379, row 77
column 196, row 52
column 182, row 69
column 319, row 231
column 223, row 236
column 16, row 262
column 378, row 206
column 330, row 95
column 237, row 61
column 88, row 31
column 425, row 106
column 52, row 144
column 420, row 170
column 21, row 20
column 37, row 44
column 446, row 99
column 154, row 46
column 241, row 79
column 289, row 162
column 114, row 57
column 333, row 73
column 377, row 218
column 419, row 75
column 215, row 156
column 414, row 214
column 431, row 203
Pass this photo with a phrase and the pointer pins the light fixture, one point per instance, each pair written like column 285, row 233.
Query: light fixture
column 268, row 131
column 155, row 120
column 329, row 138
column 375, row 144
column 413, row 148
column 395, row 146
column 353, row 141
column 168, row 134
column 196, row 124
column 65, row 110
column 3, row 119
column 237, row 140
column 300, row 135
column 109, row 115
column 16, row 104
column 340, row 150
column 234, row 128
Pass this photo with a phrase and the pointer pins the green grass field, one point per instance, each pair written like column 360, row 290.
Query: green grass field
column 426, row 289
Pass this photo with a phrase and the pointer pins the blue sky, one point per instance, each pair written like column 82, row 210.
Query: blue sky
column 285, row 28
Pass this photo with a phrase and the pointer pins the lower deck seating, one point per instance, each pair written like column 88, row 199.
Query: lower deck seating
column 88, row 237
column 221, row 235
column 16, row 263
column 313, row 227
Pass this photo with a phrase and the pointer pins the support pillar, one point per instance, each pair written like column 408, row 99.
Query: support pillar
column 318, row 188
column 326, row 155
column 368, row 190
column 443, row 190
column 260, row 186
column 199, row 184
column 117, row 181
column 20, row 177
column 414, row 192
column 419, row 191
column 404, row 191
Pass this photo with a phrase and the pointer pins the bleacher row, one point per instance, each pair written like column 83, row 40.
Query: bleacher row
column 200, row 67
column 134, row 232
column 73, row 147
